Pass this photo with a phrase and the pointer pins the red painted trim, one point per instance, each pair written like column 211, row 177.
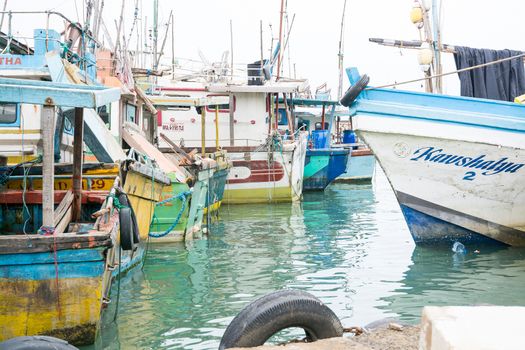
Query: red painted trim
column 259, row 171
column 35, row 197
column 159, row 117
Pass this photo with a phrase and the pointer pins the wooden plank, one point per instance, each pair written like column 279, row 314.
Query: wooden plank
column 63, row 206
column 176, row 148
column 64, row 222
column 48, row 164
column 13, row 244
column 78, row 158
column 139, row 142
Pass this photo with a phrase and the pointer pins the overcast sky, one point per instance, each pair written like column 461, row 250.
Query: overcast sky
column 205, row 25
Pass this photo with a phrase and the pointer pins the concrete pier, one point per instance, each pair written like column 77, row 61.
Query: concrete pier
column 472, row 327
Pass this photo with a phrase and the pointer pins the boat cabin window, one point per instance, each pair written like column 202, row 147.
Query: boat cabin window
column 223, row 108
column 9, row 113
column 131, row 113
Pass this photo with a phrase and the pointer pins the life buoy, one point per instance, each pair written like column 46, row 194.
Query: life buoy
column 124, row 200
column 36, row 342
column 354, row 91
column 266, row 316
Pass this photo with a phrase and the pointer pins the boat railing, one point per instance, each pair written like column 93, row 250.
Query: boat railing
column 75, row 36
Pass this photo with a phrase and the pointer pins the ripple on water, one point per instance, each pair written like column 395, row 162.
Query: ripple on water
column 349, row 246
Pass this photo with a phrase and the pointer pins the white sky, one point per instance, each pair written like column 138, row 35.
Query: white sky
column 204, row 25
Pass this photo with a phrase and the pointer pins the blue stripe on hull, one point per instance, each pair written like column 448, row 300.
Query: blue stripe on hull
column 426, row 229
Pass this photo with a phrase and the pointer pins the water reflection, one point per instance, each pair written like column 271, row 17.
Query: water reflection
column 441, row 277
column 348, row 246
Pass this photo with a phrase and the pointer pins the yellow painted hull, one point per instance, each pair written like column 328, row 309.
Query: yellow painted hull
column 31, row 307
column 258, row 195
column 143, row 194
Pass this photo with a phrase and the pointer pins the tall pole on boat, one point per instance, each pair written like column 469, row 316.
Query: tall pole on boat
column 3, row 13
column 341, row 54
column 155, row 31
column 78, row 155
column 47, row 121
column 280, row 40
column 436, row 45
column 172, row 47
column 262, row 52
column 231, row 49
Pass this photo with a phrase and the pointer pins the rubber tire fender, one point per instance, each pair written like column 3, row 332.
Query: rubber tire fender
column 354, row 91
column 124, row 200
column 36, row 343
column 266, row 316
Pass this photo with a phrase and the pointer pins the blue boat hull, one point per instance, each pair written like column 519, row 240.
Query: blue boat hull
column 322, row 166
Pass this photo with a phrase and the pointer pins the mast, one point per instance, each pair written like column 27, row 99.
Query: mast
column 436, row 43
column 231, row 49
column 280, row 40
column 340, row 55
column 155, row 32
column 172, row 47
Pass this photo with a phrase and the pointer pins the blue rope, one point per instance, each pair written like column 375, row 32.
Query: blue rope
column 182, row 196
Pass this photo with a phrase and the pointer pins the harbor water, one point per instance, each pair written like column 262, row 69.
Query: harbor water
column 348, row 245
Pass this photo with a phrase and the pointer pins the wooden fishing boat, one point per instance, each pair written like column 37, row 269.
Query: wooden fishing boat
column 58, row 262
column 455, row 163
column 266, row 166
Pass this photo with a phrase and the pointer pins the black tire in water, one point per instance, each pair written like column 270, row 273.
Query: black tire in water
column 264, row 317
column 354, row 91
column 36, row 343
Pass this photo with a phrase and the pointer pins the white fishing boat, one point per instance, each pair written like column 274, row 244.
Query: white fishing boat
column 267, row 163
column 455, row 163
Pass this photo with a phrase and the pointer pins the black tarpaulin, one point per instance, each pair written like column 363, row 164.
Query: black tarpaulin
column 502, row 81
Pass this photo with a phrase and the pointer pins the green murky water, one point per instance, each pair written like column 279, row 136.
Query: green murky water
column 349, row 246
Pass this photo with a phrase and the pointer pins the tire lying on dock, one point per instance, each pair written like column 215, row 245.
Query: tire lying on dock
column 276, row 311
column 354, row 91
column 36, row 343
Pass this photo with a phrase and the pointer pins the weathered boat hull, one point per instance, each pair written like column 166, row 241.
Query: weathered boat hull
column 322, row 166
column 455, row 164
column 55, row 292
column 267, row 177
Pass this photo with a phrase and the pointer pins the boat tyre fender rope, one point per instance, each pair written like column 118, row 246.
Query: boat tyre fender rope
column 36, row 343
column 266, row 316
column 129, row 231
column 354, row 91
